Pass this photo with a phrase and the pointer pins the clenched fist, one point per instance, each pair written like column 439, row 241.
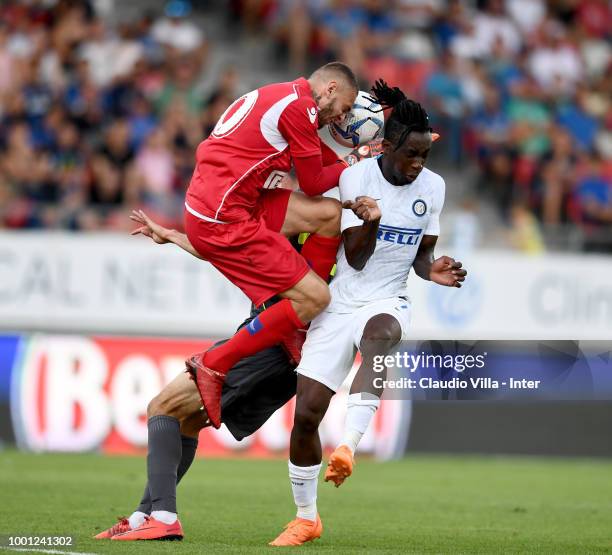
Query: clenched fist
column 365, row 208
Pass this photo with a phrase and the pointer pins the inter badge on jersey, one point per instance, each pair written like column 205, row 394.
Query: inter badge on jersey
column 419, row 207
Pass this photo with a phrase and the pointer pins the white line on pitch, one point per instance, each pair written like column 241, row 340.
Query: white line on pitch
column 52, row 551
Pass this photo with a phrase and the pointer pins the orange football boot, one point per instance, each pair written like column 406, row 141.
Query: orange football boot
column 210, row 385
column 152, row 529
column 340, row 465
column 122, row 525
column 299, row 531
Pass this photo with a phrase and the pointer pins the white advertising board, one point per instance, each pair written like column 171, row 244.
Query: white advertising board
column 120, row 284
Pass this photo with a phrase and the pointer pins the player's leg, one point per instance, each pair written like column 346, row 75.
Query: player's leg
column 174, row 421
column 312, row 400
column 320, row 217
column 327, row 357
column 178, row 401
column 381, row 334
column 279, row 270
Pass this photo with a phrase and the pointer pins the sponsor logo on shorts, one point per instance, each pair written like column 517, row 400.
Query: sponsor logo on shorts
column 399, row 235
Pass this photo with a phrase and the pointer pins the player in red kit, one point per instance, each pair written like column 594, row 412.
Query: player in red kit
column 238, row 220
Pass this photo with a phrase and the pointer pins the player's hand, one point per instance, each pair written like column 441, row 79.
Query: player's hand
column 447, row 271
column 148, row 227
column 365, row 208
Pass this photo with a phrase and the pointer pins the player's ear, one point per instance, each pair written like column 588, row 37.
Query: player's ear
column 332, row 87
column 387, row 146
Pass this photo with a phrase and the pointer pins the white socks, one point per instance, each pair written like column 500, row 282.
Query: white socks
column 136, row 519
column 164, row 516
column 360, row 410
column 304, row 485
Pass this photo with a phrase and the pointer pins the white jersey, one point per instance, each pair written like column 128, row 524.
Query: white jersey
column 408, row 212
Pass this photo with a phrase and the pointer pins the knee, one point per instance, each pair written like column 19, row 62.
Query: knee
column 330, row 212
column 154, row 407
column 307, row 419
column 319, row 297
column 160, row 405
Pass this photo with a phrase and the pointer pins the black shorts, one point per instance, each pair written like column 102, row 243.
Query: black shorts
column 254, row 389
column 256, row 386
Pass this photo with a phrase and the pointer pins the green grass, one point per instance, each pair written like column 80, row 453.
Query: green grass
column 418, row 505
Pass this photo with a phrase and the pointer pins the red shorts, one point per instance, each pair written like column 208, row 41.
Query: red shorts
column 252, row 254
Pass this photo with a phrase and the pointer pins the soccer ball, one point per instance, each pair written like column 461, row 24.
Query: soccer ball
column 362, row 124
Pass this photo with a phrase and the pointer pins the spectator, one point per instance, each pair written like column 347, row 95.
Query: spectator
column 555, row 181
column 448, row 104
column 493, row 24
column 341, row 27
column 554, row 63
column 178, row 34
column 574, row 115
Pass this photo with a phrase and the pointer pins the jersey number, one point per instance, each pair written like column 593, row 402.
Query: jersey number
column 240, row 110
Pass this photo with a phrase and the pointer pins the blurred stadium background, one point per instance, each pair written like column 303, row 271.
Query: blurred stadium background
column 102, row 104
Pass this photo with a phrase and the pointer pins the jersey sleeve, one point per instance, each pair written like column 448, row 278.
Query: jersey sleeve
column 298, row 124
column 350, row 188
column 433, row 226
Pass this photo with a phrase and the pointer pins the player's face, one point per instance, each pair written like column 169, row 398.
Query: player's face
column 334, row 103
column 403, row 166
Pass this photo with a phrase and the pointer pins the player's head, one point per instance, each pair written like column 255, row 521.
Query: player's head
column 334, row 87
column 407, row 138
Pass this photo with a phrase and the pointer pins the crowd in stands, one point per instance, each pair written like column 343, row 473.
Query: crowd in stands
column 522, row 88
column 97, row 117
column 94, row 118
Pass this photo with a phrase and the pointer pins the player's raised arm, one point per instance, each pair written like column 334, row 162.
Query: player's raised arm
column 360, row 219
column 161, row 234
column 334, row 89
column 360, row 242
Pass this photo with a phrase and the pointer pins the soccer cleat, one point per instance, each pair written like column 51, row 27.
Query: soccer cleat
column 122, row 525
column 152, row 529
column 340, row 465
column 210, row 385
column 299, row 531
column 293, row 343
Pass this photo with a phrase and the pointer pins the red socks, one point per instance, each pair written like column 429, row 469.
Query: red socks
column 320, row 253
column 268, row 329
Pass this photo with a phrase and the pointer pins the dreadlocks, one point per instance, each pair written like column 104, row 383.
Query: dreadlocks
column 406, row 116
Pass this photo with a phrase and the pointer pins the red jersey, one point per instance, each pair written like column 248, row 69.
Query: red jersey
column 251, row 149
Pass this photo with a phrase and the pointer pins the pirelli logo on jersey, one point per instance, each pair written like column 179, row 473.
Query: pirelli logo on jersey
column 399, row 235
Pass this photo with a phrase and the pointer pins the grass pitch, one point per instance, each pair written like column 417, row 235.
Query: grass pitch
column 418, row 505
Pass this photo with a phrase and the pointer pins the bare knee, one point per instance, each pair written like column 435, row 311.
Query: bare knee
column 158, row 406
column 307, row 419
column 330, row 212
column 317, row 299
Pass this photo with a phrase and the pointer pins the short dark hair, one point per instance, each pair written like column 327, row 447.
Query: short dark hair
column 341, row 70
column 407, row 115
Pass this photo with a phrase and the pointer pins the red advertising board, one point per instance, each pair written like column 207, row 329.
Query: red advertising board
column 76, row 393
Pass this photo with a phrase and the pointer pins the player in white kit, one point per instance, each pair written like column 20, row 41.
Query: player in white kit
column 390, row 224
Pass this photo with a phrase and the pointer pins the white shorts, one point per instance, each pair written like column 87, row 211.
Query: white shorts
column 333, row 339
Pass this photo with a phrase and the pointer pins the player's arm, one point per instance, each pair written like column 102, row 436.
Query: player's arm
column 298, row 125
column 360, row 242
column 444, row 270
column 360, row 219
column 161, row 234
